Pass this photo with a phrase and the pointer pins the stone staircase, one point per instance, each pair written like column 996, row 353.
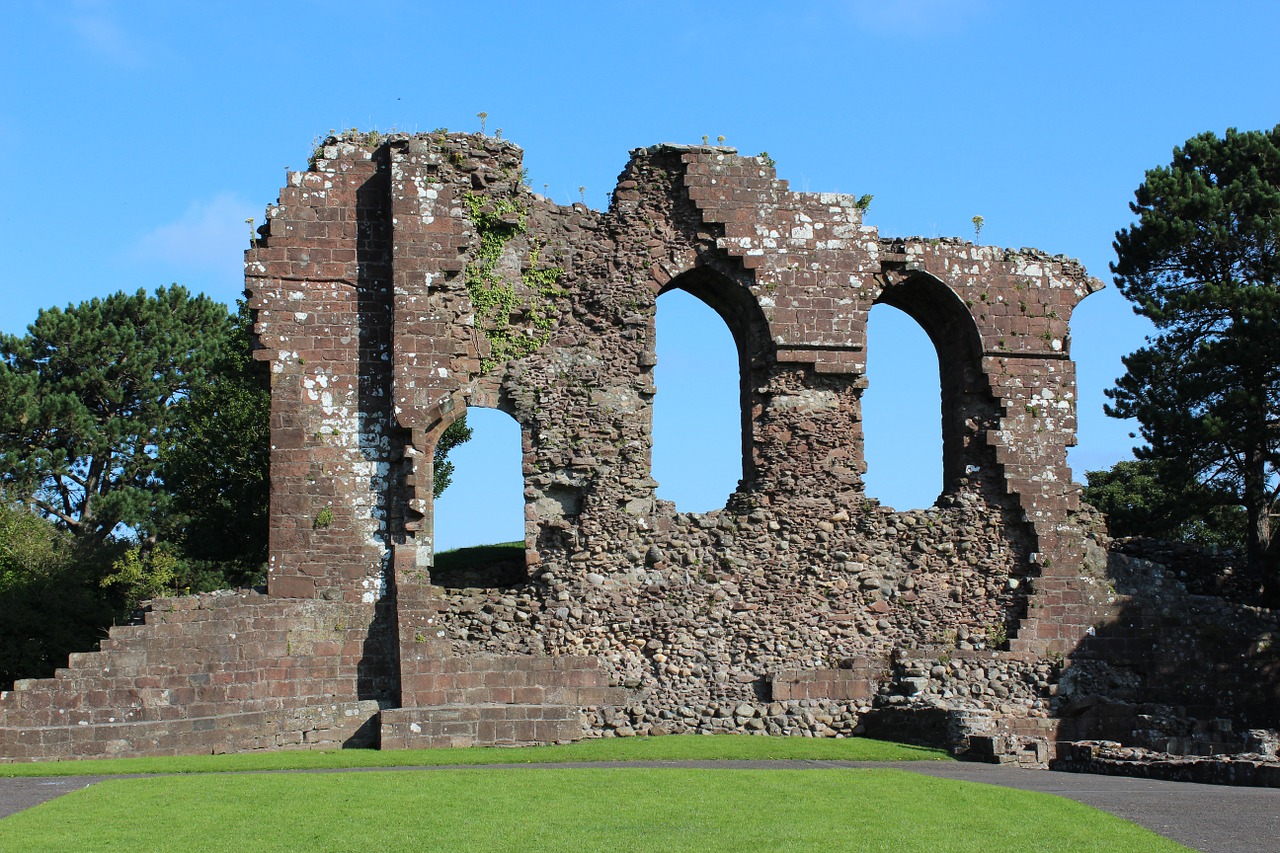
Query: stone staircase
column 217, row 672
column 236, row 672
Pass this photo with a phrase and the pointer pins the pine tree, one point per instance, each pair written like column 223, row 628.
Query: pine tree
column 1203, row 263
column 217, row 469
column 90, row 395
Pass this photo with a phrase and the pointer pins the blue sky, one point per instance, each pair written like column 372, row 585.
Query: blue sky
column 139, row 136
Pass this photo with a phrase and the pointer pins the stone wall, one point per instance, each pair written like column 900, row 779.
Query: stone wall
column 1161, row 672
column 400, row 281
column 321, row 293
column 800, row 570
column 218, row 672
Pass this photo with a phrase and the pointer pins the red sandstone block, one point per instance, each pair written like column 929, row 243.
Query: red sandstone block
column 292, row 586
column 327, row 648
column 503, row 695
column 513, row 676
column 532, row 695
column 585, row 678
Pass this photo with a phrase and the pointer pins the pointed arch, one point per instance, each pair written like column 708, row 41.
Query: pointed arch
column 737, row 307
column 968, row 408
column 901, row 412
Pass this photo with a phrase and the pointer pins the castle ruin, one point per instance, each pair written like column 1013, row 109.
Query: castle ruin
column 400, row 281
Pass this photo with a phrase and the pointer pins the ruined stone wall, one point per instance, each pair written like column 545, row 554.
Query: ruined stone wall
column 800, row 570
column 400, row 281
column 319, row 283
column 1169, row 669
column 1162, row 670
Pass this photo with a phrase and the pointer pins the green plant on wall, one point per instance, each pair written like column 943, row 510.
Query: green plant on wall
column 997, row 635
column 370, row 138
column 497, row 221
column 324, row 519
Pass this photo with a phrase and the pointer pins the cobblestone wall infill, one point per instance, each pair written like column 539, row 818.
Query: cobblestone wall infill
column 1110, row 758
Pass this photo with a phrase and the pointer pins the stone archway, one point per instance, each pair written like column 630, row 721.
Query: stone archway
column 737, row 307
column 968, row 408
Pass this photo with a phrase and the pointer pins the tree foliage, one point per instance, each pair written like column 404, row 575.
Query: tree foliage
column 442, row 469
column 140, row 574
column 90, row 399
column 216, row 471
column 1150, row 497
column 1202, row 262
column 134, row 462
column 50, row 599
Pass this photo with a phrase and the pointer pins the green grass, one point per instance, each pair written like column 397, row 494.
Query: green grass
column 489, row 566
column 668, row 748
column 558, row 809
column 456, row 559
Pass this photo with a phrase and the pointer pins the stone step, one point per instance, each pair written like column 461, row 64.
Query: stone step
column 323, row 726
column 858, row 683
column 479, row 725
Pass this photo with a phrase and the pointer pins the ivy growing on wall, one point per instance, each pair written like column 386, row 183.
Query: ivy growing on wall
column 497, row 222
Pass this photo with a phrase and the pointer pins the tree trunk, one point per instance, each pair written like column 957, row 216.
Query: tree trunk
column 1257, row 507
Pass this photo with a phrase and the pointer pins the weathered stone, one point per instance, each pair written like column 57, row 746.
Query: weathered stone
column 379, row 247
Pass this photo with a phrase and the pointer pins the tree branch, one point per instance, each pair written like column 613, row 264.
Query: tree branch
column 49, row 509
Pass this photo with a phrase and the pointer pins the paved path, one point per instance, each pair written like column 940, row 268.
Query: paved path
column 23, row 793
column 1209, row 818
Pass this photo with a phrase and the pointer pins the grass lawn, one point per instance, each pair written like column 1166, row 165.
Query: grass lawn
column 456, row 558
column 558, row 809
column 500, row 565
column 668, row 748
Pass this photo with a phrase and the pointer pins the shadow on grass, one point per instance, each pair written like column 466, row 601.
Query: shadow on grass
column 722, row 747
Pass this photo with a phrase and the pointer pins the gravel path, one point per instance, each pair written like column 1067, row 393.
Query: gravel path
column 1209, row 818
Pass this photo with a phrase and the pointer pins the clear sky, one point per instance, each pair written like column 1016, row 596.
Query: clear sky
column 138, row 137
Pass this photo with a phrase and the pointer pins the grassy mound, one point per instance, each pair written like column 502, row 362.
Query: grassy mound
column 499, row 565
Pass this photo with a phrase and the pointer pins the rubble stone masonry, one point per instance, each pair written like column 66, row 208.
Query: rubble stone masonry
column 400, row 281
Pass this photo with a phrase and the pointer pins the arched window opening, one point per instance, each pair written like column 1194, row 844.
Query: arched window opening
column 479, row 518
column 901, row 412
column 697, row 412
